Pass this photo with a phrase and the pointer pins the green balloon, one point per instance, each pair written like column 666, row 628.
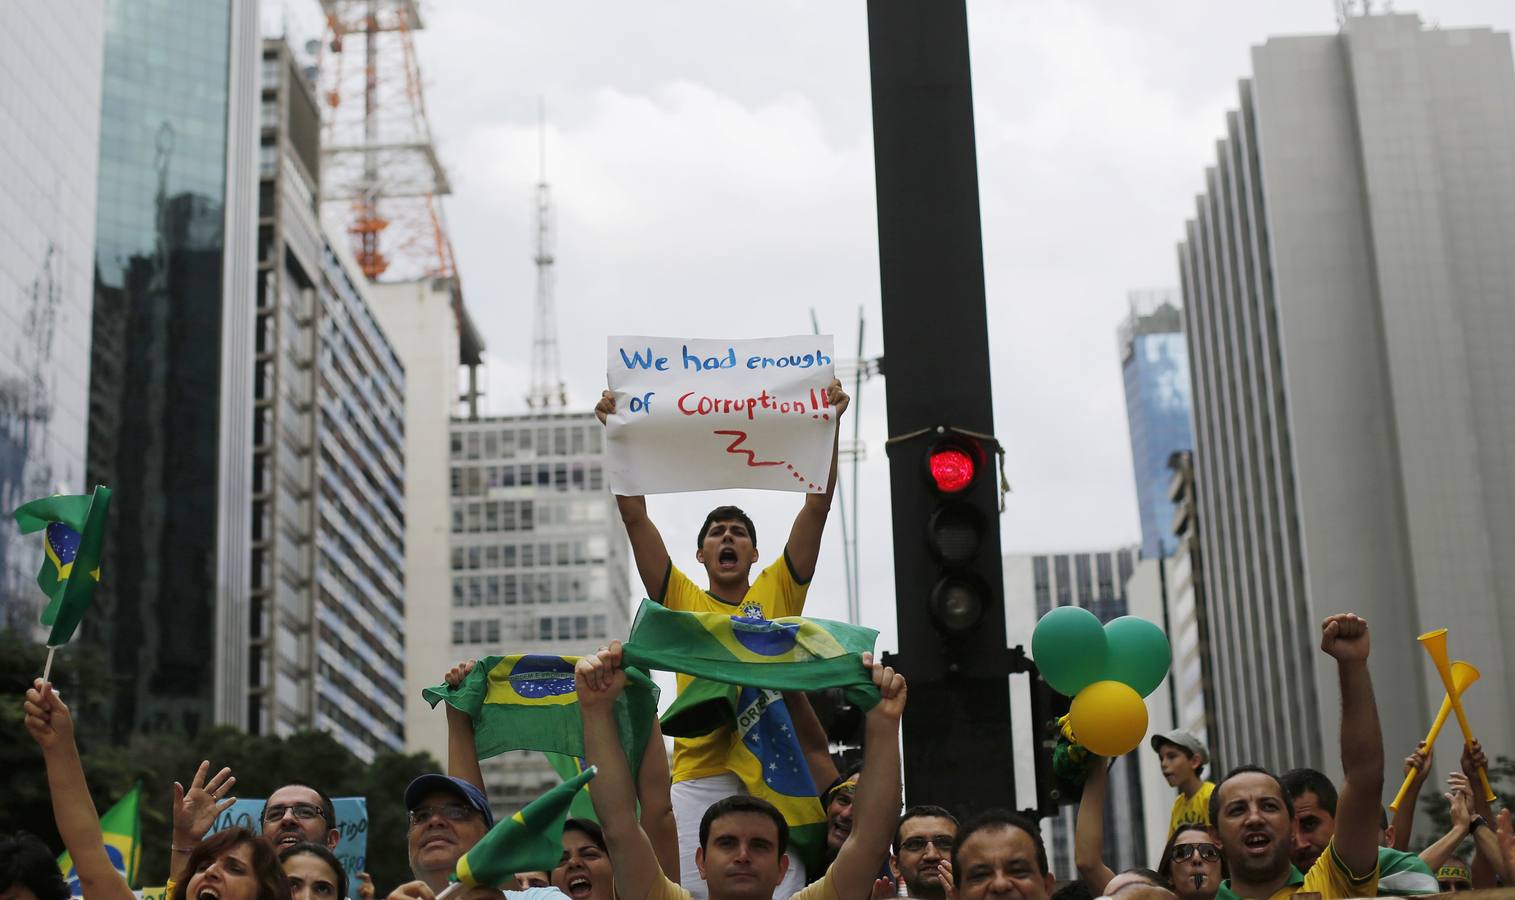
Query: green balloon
column 1138, row 654
column 1068, row 647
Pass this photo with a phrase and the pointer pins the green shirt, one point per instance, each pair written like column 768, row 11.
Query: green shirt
column 1329, row 877
column 1402, row 874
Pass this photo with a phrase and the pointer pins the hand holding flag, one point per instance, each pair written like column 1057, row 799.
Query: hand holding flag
column 47, row 718
column 600, row 678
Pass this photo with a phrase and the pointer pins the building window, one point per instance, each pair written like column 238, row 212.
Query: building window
column 599, row 629
column 544, row 629
column 580, row 628
column 475, row 632
column 457, row 592
column 492, row 631
column 457, row 632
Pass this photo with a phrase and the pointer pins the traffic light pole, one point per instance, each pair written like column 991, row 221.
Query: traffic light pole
column 957, row 734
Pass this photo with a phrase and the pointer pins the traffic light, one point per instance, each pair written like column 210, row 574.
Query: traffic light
column 949, row 584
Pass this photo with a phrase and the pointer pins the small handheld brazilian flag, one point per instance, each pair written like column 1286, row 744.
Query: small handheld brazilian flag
column 121, row 828
column 74, row 536
column 529, row 841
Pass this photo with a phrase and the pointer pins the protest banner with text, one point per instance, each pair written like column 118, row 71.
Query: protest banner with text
column 352, row 822
column 699, row 415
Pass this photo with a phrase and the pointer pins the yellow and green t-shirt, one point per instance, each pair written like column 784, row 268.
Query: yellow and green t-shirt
column 775, row 593
column 1329, row 877
column 1196, row 809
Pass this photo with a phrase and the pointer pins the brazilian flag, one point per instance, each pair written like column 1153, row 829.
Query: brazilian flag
column 787, row 654
column 764, row 752
column 528, row 702
column 74, row 536
column 529, row 841
column 121, row 828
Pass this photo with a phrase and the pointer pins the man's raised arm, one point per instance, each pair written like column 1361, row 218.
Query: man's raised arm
column 804, row 547
column 647, row 546
column 1345, row 637
column 599, row 680
column 876, row 806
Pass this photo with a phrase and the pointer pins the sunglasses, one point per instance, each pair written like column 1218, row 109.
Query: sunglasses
column 1207, row 852
column 942, row 843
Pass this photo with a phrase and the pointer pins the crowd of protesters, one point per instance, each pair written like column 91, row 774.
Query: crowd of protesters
column 691, row 830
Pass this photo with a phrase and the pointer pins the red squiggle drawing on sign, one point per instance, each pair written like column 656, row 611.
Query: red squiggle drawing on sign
column 737, row 437
column 735, row 447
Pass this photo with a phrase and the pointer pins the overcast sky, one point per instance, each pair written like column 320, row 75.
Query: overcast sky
column 712, row 167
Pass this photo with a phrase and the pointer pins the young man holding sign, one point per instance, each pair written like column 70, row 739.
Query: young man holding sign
column 727, row 547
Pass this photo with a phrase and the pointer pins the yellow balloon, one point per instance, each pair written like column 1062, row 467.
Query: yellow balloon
column 1109, row 718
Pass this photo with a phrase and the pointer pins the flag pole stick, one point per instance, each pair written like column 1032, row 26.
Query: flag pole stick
column 47, row 668
column 451, row 889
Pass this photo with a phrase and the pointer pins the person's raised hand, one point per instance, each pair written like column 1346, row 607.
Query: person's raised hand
column 457, row 673
column 1345, row 636
column 883, row 888
column 196, row 809
column 606, row 406
column 944, row 872
column 412, row 890
column 47, row 718
column 1419, row 762
column 1505, row 831
column 599, row 677
column 365, row 886
column 891, row 688
column 837, row 397
column 1473, row 759
column 1459, row 800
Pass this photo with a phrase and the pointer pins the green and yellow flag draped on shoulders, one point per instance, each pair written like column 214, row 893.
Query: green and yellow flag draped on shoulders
column 528, row 702
column 792, row 653
column 529, row 841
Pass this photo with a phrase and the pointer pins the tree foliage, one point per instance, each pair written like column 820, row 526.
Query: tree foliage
column 260, row 763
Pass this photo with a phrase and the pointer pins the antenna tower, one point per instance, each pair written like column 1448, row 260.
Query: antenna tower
column 547, row 391
column 377, row 158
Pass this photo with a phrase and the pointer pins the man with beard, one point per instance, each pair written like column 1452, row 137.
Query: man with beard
column 923, row 843
column 1255, row 814
column 726, row 547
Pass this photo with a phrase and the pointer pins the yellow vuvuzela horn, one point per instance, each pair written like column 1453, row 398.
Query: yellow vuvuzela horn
column 1435, row 643
column 1463, row 676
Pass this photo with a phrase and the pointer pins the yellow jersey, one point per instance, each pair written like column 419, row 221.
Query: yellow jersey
column 1192, row 809
column 1329, row 877
column 775, row 593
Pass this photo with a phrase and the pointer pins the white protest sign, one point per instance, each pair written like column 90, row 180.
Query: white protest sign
column 699, row 415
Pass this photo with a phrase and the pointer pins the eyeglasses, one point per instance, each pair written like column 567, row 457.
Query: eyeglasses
column 451, row 812
column 917, row 844
column 1207, row 852
column 302, row 811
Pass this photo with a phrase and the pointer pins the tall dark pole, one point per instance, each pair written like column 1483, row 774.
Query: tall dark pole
column 936, row 358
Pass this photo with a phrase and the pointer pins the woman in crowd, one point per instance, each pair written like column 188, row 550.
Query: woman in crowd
column 313, row 872
column 1192, row 862
column 234, row 864
column 584, row 872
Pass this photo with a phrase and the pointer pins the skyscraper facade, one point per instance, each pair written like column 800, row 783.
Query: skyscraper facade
column 1096, row 582
column 328, row 512
column 1346, row 283
column 171, row 358
column 539, row 558
column 50, row 64
column 1155, row 369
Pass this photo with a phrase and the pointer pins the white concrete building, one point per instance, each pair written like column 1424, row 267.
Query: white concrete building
column 1347, row 285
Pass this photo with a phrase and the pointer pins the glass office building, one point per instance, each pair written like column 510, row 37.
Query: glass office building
column 1155, row 368
column 170, row 381
column 50, row 117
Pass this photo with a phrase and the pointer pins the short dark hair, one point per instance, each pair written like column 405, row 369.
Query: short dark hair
column 725, row 514
column 590, row 828
column 1076, row 889
column 999, row 818
column 319, row 851
column 1298, row 781
column 1165, row 864
column 1243, row 770
column 28, row 862
column 272, row 885
column 744, row 803
column 920, row 812
column 328, row 809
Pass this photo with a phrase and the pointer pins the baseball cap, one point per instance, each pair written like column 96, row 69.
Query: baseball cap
column 1181, row 739
column 425, row 784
